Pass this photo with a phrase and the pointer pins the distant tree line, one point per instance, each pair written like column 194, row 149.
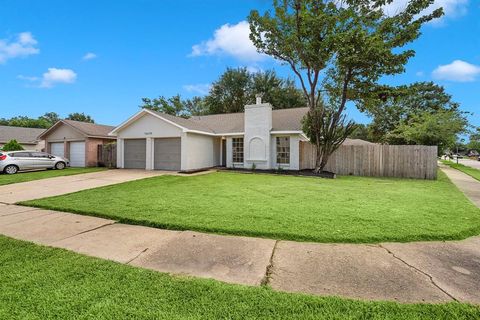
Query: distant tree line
column 234, row 89
column 45, row 121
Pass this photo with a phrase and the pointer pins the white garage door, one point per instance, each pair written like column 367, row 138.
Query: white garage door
column 77, row 154
column 56, row 148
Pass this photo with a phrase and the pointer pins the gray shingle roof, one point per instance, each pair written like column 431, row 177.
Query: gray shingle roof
column 22, row 135
column 282, row 120
column 91, row 129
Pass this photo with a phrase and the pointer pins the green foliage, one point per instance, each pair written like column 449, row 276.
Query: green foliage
column 475, row 140
column 346, row 209
column 361, row 131
column 175, row 106
column 45, row 121
column 46, row 283
column 433, row 129
column 393, row 109
column 238, row 87
column 12, row 145
column 234, row 89
column 77, row 116
column 338, row 52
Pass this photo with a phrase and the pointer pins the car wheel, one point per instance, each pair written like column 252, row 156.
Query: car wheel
column 11, row 169
column 60, row 165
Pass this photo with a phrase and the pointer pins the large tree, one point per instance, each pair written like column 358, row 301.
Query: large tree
column 474, row 142
column 338, row 50
column 237, row 87
column 391, row 106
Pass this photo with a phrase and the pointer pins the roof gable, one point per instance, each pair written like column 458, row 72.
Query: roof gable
column 84, row 128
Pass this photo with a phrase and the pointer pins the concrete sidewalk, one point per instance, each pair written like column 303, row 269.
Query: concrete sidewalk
column 468, row 185
column 411, row 272
column 36, row 189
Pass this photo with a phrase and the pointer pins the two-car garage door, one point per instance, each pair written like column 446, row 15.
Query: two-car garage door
column 166, row 154
column 77, row 152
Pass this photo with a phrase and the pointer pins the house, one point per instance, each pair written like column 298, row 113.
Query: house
column 77, row 141
column 27, row 137
column 260, row 137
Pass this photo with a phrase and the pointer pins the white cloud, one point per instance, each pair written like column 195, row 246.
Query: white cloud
column 54, row 76
column 230, row 39
column 23, row 46
column 458, row 70
column 201, row 88
column 89, row 56
column 451, row 8
column 420, row 73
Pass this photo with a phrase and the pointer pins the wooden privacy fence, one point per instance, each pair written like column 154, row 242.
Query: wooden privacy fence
column 419, row 162
column 107, row 155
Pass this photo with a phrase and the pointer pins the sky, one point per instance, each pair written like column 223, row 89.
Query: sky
column 102, row 57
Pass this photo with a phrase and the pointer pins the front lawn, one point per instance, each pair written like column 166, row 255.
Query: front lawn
column 347, row 209
column 42, row 174
column 47, row 283
column 474, row 173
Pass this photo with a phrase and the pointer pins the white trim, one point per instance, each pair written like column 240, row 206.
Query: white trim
column 202, row 132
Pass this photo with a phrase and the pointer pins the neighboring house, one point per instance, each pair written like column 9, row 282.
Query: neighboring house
column 259, row 137
column 27, row 137
column 77, row 141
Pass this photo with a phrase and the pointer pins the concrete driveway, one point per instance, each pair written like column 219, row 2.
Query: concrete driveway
column 36, row 189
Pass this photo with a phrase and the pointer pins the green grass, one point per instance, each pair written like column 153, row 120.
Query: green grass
column 347, row 209
column 47, row 283
column 474, row 173
column 43, row 174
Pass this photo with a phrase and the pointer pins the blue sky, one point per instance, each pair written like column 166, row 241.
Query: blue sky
column 102, row 57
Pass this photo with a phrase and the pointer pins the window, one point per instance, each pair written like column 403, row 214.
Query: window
column 39, row 155
column 237, row 150
column 283, row 150
column 20, row 155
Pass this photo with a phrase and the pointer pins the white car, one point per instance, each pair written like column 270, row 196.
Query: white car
column 13, row 161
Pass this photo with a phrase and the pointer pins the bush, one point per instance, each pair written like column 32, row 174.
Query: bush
column 12, row 145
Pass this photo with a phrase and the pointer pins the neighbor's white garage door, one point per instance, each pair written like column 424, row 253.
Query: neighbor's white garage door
column 77, row 154
column 56, row 148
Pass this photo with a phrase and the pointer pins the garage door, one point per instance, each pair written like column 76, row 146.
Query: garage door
column 135, row 154
column 77, row 154
column 56, row 148
column 167, row 153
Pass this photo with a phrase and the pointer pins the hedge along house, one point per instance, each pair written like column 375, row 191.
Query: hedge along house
column 260, row 137
column 77, row 141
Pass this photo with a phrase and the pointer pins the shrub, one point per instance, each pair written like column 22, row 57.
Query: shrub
column 12, row 145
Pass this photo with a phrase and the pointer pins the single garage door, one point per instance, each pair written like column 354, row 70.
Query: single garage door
column 167, row 153
column 56, row 148
column 135, row 153
column 77, row 154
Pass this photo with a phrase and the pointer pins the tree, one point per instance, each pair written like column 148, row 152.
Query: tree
column 175, row 105
column 361, row 131
column 338, row 51
column 77, row 116
column 26, row 122
column 237, row 87
column 390, row 106
column 12, row 145
column 50, row 118
column 474, row 142
column 439, row 128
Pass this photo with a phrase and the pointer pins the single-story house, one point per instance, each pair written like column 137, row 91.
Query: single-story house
column 260, row 137
column 27, row 137
column 77, row 141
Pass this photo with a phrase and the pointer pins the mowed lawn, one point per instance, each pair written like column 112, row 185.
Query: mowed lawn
column 47, row 283
column 347, row 209
column 474, row 173
column 43, row 174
